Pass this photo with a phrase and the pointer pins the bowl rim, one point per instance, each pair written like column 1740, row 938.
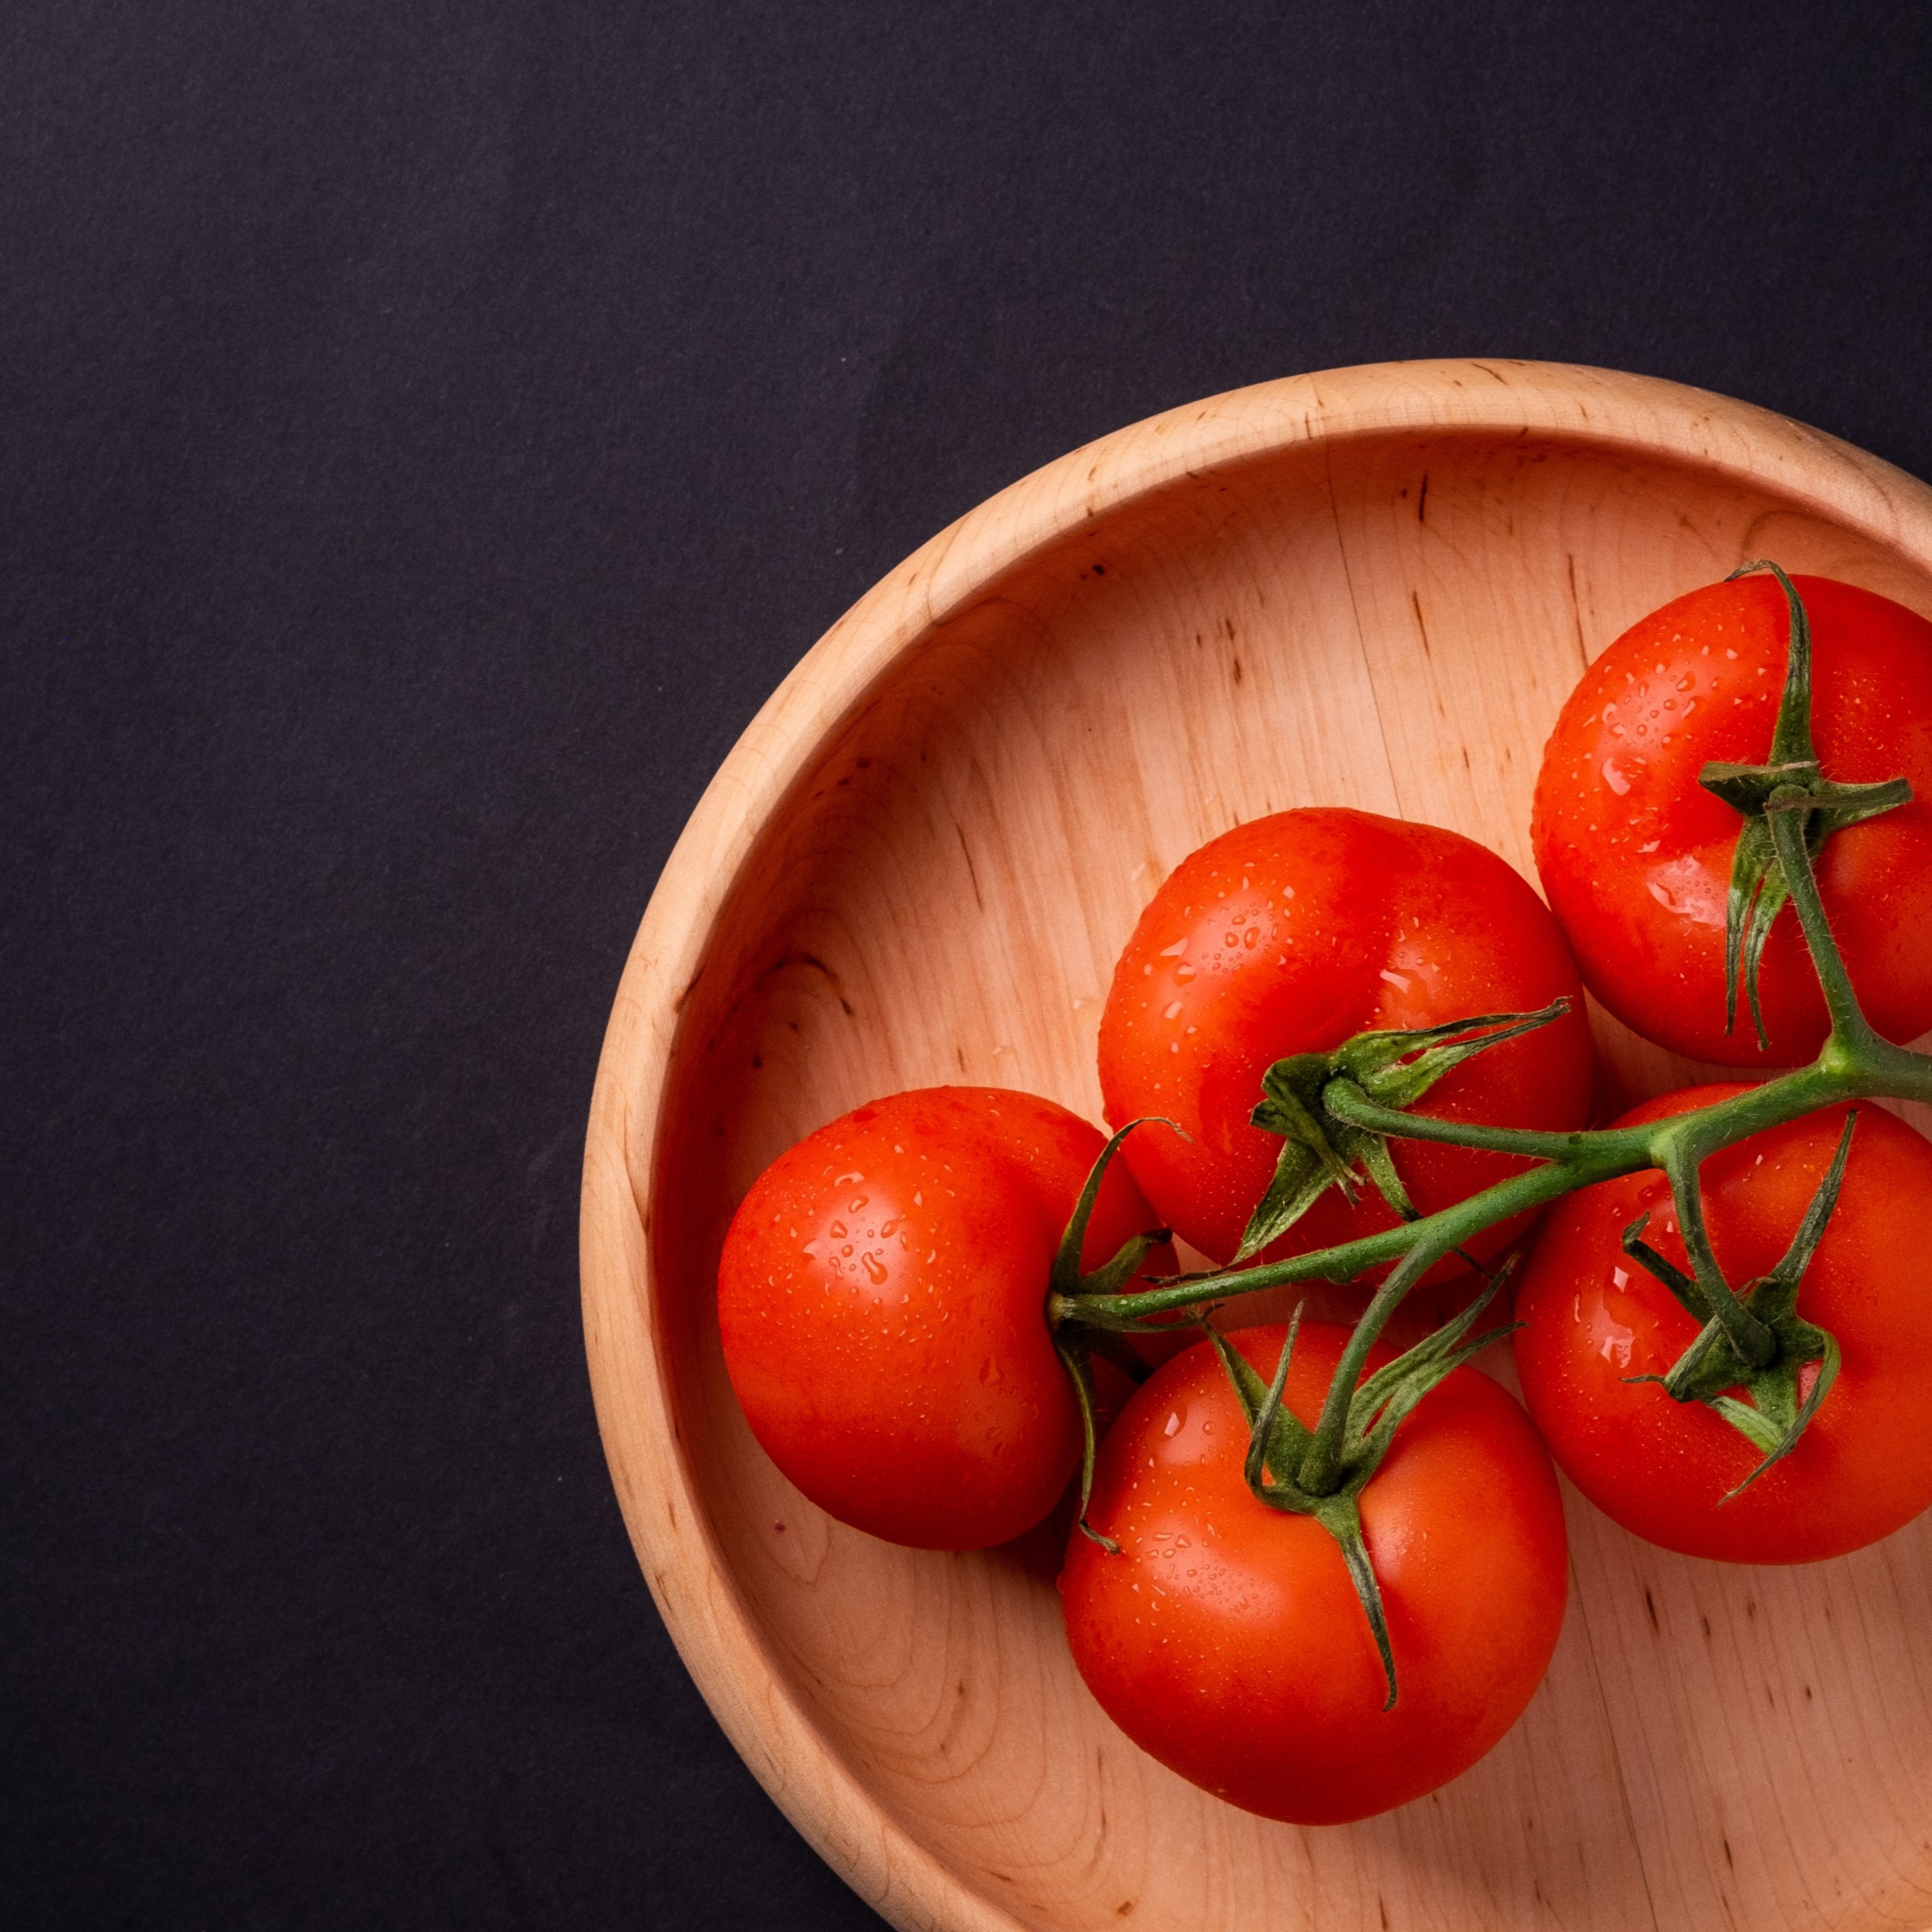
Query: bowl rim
column 701, row 1605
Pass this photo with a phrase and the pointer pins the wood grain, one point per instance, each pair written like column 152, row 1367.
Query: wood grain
column 1371, row 587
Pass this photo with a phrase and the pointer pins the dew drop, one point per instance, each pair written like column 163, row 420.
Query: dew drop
column 1173, row 1423
column 875, row 1270
column 1173, row 1012
column 1615, row 778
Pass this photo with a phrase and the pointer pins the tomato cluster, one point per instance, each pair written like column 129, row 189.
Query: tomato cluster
column 1327, row 1032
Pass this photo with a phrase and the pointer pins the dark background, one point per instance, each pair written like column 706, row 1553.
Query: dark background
column 430, row 431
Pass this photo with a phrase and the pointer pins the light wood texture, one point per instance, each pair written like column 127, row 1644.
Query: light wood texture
column 1370, row 587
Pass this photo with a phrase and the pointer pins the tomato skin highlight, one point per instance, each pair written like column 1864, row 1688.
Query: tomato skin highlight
column 1226, row 1640
column 1636, row 855
column 881, row 1306
column 1289, row 934
column 1863, row 1468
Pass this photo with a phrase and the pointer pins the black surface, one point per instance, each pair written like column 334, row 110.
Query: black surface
column 430, row 432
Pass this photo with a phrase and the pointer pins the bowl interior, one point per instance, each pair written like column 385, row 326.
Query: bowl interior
column 1386, row 621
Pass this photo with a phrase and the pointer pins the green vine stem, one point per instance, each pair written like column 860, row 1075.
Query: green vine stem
column 1567, row 1163
column 1338, row 1110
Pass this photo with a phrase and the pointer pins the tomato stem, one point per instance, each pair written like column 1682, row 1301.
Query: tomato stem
column 1788, row 812
column 1347, row 1101
column 1321, row 1471
column 1850, row 1068
column 1684, row 1157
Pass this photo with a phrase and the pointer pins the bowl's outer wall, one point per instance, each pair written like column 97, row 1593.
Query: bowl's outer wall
column 1373, row 587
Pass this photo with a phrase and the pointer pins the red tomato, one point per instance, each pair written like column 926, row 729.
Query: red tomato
column 881, row 1303
column 1289, row 934
column 1226, row 1639
column 1864, row 1466
column 1636, row 855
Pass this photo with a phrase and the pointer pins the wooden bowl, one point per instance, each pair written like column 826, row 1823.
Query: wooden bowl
column 1371, row 587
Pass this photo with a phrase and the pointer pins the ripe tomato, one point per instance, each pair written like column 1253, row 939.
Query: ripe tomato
column 881, row 1304
column 1226, row 1639
column 1636, row 855
column 1289, row 934
column 1593, row 1317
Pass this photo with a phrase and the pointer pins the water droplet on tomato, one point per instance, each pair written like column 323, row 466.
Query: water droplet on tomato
column 1615, row 778
column 875, row 1270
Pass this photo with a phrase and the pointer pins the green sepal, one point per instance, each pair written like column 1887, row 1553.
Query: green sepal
column 1279, row 1442
column 1710, row 1368
column 1076, row 1349
column 1384, row 1400
column 1065, row 1278
column 1076, row 1358
column 1690, row 1296
column 1394, row 1069
column 1758, row 887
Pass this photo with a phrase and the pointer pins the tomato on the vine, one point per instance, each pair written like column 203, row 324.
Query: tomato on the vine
column 1291, row 933
column 1226, row 1639
column 1636, row 855
column 881, row 1302
column 1593, row 1318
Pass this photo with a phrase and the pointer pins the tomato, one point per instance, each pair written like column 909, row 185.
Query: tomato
column 1636, row 855
column 1290, row 934
column 881, row 1304
column 1226, row 1639
column 1593, row 1318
